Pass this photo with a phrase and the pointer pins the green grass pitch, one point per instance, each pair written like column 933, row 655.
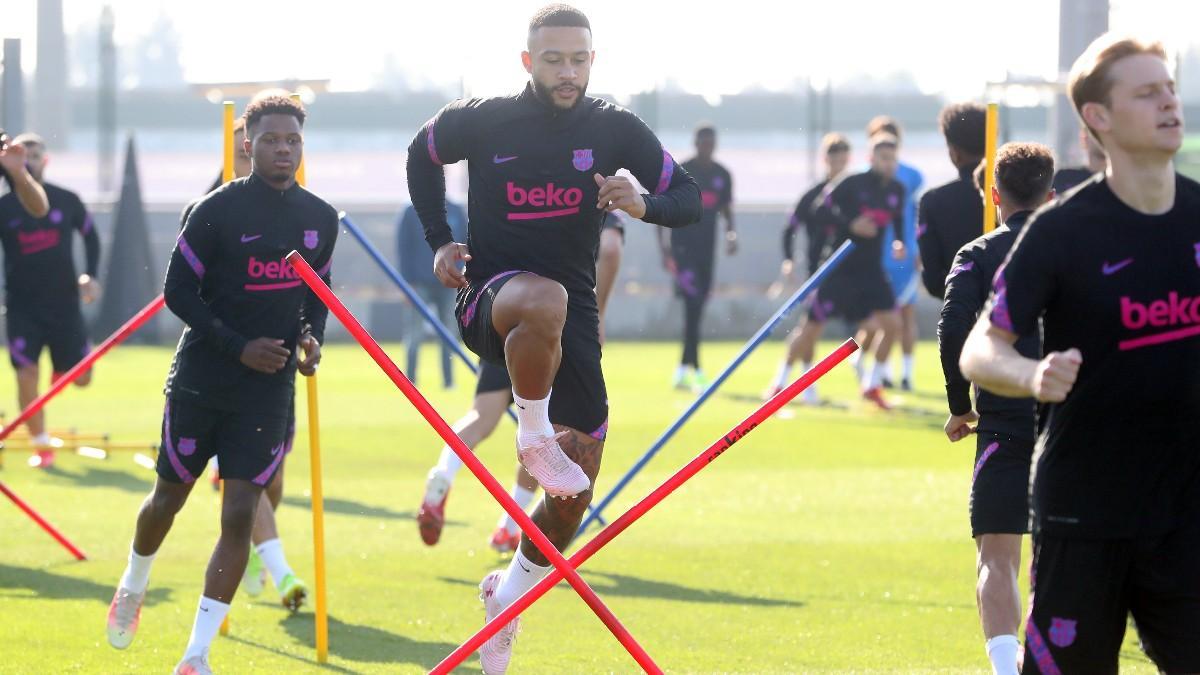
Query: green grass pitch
column 829, row 540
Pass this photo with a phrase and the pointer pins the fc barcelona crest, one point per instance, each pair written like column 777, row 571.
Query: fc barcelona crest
column 1062, row 632
column 310, row 239
column 582, row 159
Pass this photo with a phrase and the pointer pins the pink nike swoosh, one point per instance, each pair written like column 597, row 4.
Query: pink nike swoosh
column 246, row 238
column 1108, row 269
column 497, row 159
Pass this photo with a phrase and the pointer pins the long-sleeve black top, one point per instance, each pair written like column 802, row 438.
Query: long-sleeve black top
column 967, row 287
column 39, row 263
column 532, row 197
column 949, row 216
column 230, row 283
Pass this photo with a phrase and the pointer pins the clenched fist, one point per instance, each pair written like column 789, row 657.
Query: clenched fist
column 1055, row 375
column 266, row 355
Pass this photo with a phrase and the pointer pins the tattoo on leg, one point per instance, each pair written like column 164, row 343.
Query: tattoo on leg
column 560, row 518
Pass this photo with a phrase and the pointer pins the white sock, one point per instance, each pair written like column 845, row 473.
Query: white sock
column 209, row 616
column 907, row 367
column 810, row 395
column 41, row 439
column 1002, row 652
column 448, row 464
column 865, row 374
column 523, row 498
column 271, row 552
column 874, row 376
column 533, row 418
column 784, row 376
column 137, row 572
column 682, row 373
column 521, row 576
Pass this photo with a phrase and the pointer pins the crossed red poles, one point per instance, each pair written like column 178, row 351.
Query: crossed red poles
column 563, row 568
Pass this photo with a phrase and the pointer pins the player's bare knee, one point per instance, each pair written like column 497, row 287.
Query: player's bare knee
column 998, row 559
column 166, row 502
column 237, row 514
column 543, row 305
column 27, row 375
column 535, row 305
column 891, row 322
column 549, row 314
column 83, row 380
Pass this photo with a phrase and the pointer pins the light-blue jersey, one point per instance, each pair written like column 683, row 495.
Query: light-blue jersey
column 903, row 273
column 912, row 180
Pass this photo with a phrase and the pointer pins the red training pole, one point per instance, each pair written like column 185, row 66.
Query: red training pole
column 42, row 522
column 71, row 375
column 468, row 458
column 650, row 501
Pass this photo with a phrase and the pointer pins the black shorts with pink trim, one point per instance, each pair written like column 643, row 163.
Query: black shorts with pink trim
column 1084, row 590
column 852, row 297
column 473, row 310
column 579, row 399
column 63, row 332
column 249, row 446
column 290, row 434
column 999, row 499
column 492, row 377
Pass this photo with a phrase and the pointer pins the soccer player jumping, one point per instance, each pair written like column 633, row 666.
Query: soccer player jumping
column 542, row 167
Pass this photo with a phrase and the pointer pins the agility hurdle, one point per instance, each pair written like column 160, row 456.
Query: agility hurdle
column 61, row 383
column 468, row 458
column 618, row 526
column 595, row 511
column 80, row 368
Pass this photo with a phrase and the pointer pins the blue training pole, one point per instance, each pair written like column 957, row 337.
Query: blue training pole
column 415, row 299
column 801, row 293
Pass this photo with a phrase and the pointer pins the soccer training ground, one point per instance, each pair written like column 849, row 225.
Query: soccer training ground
column 832, row 539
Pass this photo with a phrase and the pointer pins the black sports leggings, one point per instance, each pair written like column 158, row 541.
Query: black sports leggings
column 693, row 311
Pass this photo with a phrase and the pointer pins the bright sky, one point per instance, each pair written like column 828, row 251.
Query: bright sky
column 708, row 47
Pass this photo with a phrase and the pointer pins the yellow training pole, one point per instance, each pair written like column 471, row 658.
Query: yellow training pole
column 226, row 176
column 300, row 169
column 318, row 516
column 989, row 174
column 225, row 621
column 227, row 162
column 318, row 501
